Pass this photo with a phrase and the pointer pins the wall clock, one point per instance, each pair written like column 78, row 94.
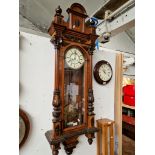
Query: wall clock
column 103, row 72
column 73, row 110
column 24, row 127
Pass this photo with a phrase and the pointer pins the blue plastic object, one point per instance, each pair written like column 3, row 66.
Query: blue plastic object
column 93, row 21
column 97, row 44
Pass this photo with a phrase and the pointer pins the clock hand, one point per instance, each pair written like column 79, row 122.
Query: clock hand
column 104, row 72
column 77, row 58
column 73, row 57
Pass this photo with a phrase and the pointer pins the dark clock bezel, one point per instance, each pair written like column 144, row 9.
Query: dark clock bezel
column 96, row 72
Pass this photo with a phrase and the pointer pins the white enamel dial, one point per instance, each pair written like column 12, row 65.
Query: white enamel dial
column 74, row 58
column 105, row 72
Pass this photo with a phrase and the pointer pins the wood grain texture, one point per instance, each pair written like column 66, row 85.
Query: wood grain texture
column 118, row 100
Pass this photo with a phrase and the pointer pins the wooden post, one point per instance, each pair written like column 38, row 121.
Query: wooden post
column 104, row 136
column 118, row 101
column 111, row 140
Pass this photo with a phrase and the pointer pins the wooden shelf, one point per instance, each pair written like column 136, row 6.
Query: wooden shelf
column 127, row 106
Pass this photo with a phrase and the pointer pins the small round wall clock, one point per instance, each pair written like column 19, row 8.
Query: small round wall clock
column 102, row 72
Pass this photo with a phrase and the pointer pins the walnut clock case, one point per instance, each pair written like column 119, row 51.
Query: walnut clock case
column 73, row 94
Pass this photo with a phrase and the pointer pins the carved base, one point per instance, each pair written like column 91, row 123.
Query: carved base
column 55, row 149
column 70, row 145
column 90, row 138
column 90, row 141
column 69, row 140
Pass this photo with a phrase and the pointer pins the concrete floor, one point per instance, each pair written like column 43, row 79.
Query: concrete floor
column 128, row 147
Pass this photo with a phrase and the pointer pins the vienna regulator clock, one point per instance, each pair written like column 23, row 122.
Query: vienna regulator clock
column 73, row 94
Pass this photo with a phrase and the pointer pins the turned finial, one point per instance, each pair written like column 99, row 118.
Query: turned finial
column 58, row 11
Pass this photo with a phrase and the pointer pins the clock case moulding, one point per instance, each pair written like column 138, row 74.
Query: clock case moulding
column 66, row 35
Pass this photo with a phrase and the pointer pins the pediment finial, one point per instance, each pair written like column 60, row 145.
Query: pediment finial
column 58, row 11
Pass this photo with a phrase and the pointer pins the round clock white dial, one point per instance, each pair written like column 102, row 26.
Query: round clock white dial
column 74, row 58
column 105, row 72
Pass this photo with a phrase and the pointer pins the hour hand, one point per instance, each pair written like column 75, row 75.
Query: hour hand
column 104, row 71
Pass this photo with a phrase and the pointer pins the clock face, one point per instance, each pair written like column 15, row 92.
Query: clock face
column 74, row 58
column 102, row 72
column 105, row 72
